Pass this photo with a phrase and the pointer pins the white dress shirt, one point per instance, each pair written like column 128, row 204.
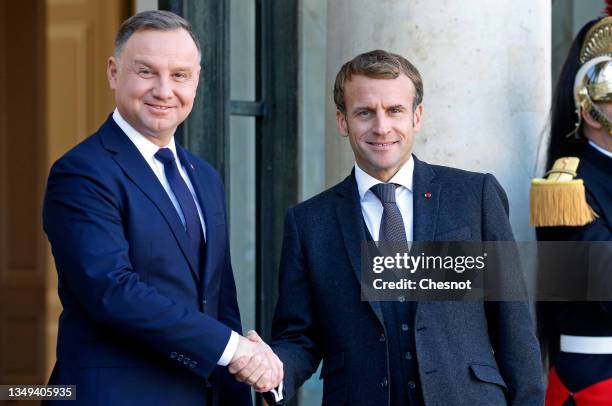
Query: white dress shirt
column 148, row 150
column 371, row 206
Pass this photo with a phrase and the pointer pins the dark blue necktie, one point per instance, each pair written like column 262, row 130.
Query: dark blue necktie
column 392, row 224
column 193, row 227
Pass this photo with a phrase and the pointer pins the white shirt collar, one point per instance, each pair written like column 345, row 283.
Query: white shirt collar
column 146, row 147
column 403, row 177
column 600, row 149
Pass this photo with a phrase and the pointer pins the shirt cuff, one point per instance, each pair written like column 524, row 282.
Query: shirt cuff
column 230, row 350
column 278, row 392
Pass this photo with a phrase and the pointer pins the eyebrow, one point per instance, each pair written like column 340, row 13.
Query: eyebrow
column 359, row 108
column 370, row 108
column 141, row 62
column 148, row 65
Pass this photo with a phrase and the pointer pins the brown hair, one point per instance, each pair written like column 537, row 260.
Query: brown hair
column 158, row 20
column 377, row 64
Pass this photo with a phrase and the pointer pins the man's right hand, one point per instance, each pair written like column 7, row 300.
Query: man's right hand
column 255, row 363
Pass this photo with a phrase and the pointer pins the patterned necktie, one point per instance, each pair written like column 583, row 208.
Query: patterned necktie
column 392, row 224
column 185, row 200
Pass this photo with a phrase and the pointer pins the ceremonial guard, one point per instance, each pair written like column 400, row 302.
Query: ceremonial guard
column 573, row 202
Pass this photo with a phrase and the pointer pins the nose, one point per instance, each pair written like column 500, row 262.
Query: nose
column 382, row 124
column 163, row 88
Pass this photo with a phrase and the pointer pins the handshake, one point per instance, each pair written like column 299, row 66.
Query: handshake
column 255, row 363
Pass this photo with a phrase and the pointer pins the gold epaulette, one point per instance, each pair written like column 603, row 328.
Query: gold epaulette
column 558, row 199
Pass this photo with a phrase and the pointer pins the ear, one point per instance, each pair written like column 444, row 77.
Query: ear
column 417, row 117
column 589, row 120
column 341, row 123
column 112, row 68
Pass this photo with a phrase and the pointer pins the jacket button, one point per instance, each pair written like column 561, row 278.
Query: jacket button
column 384, row 383
column 186, row 360
column 173, row 355
column 411, row 385
column 193, row 364
column 382, row 338
column 180, row 357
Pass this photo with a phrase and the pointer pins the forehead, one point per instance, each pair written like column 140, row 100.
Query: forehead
column 176, row 45
column 365, row 90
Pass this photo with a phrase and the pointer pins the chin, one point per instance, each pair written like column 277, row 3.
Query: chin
column 158, row 125
column 386, row 165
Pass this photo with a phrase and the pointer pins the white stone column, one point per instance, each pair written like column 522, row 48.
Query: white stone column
column 486, row 71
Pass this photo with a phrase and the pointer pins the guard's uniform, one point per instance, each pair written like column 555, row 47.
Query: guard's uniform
column 585, row 377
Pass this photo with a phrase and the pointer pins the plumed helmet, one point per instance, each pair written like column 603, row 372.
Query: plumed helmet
column 593, row 82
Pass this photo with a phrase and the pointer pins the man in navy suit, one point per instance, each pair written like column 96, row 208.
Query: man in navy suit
column 402, row 352
column 138, row 229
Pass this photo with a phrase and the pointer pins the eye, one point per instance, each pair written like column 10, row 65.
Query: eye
column 145, row 73
column 364, row 113
column 181, row 76
column 395, row 110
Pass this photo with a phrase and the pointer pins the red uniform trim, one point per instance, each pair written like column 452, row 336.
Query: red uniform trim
column 598, row 394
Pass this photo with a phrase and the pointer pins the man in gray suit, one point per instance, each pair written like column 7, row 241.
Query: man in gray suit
column 396, row 353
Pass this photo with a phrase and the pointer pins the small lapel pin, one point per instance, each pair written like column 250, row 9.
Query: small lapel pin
column 192, row 167
column 427, row 195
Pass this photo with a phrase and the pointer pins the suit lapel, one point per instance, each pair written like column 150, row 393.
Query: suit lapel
column 348, row 211
column 426, row 197
column 425, row 201
column 137, row 169
column 206, row 205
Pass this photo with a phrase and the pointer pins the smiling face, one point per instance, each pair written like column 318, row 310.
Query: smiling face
column 155, row 80
column 380, row 123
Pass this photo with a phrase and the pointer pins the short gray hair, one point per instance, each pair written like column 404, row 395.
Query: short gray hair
column 157, row 20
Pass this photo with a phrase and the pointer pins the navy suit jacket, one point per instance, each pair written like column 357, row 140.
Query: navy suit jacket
column 140, row 325
column 469, row 353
